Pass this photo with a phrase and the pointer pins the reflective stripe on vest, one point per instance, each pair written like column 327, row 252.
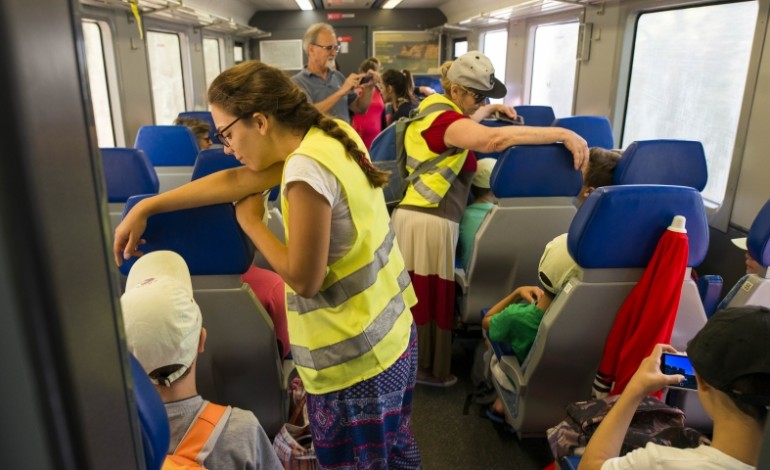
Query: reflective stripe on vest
column 356, row 346
column 347, row 287
column 430, row 188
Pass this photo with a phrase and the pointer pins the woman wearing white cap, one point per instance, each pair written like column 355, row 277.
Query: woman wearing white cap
column 427, row 220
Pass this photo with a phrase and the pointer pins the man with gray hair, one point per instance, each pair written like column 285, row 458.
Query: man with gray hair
column 326, row 87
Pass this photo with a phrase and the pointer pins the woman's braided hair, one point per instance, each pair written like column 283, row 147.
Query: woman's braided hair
column 253, row 86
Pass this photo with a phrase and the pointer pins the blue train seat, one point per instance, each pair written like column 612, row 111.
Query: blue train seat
column 566, row 353
column 663, row 161
column 754, row 289
column 429, row 80
column 153, row 421
column 213, row 160
column 535, row 186
column 710, row 290
column 172, row 151
column 203, row 116
column 241, row 365
column 596, row 130
column 127, row 172
column 536, row 115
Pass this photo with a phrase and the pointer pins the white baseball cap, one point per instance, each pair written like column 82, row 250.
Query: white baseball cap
column 740, row 242
column 162, row 321
column 475, row 71
column 484, row 169
column 557, row 266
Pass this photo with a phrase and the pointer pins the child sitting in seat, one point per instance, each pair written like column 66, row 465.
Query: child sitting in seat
column 515, row 322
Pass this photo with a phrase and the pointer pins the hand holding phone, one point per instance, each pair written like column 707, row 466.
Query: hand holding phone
column 671, row 364
column 365, row 79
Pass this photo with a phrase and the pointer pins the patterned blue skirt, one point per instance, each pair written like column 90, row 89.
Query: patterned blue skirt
column 368, row 425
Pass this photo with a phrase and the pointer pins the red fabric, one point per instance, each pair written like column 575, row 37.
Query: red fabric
column 434, row 137
column 436, row 300
column 647, row 316
column 271, row 292
column 369, row 124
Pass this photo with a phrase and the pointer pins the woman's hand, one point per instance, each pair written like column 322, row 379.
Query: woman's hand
column 128, row 235
column 579, row 148
column 488, row 110
column 250, row 210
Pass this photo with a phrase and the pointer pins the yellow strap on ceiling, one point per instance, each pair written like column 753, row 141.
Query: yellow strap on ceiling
column 138, row 16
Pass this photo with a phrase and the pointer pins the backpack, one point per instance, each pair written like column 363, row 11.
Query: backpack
column 388, row 153
column 200, row 438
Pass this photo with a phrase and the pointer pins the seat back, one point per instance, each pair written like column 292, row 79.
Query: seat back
column 663, row 161
column 241, row 365
column 429, row 80
column 203, row 116
column 127, row 172
column 535, row 186
column 596, row 130
column 212, row 160
column 172, row 151
column 153, row 420
column 564, row 358
column 754, row 289
column 534, row 115
column 710, row 290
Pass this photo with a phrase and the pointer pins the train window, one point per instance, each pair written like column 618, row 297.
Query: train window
column 211, row 60
column 553, row 67
column 459, row 47
column 687, row 81
column 238, row 52
column 97, row 79
column 496, row 48
column 166, row 75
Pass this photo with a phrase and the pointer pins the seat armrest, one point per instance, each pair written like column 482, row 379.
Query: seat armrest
column 511, row 367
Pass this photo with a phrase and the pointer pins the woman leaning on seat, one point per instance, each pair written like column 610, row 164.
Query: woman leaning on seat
column 427, row 220
column 348, row 292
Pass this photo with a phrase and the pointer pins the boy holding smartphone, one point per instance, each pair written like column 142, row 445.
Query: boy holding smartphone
column 732, row 368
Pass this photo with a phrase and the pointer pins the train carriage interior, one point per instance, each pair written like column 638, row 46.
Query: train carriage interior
column 680, row 88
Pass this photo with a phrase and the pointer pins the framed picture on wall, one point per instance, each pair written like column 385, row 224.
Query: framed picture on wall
column 284, row 54
column 416, row 51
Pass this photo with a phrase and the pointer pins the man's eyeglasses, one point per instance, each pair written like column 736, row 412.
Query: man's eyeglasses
column 220, row 135
column 335, row 48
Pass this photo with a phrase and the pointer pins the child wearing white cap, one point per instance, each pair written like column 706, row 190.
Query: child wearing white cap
column 516, row 318
column 164, row 331
column 474, row 214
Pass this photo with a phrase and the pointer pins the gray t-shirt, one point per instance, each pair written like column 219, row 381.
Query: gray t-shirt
column 318, row 89
column 243, row 443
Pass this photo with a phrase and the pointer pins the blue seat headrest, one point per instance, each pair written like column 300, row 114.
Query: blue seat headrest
column 208, row 238
column 536, row 115
column 168, row 145
column 677, row 162
column 431, row 80
column 535, row 171
column 758, row 241
column 203, row 116
column 127, row 172
column 596, row 130
column 212, row 160
column 153, row 419
column 619, row 226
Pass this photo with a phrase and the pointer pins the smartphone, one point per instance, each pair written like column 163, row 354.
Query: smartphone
column 679, row 364
column 366, row 79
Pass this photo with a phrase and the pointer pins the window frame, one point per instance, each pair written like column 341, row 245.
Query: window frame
column 719, row 216
column 107, row 30
column 185, row 33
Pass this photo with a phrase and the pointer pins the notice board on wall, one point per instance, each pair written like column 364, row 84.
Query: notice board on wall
column 416, row 51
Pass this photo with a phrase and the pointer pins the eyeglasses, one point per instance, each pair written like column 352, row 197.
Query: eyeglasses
column 220, row 135
column 335, row 48
column 478, row 99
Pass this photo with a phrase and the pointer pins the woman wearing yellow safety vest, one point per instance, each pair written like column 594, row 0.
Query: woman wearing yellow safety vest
column 427, row 220
column 349, row 295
